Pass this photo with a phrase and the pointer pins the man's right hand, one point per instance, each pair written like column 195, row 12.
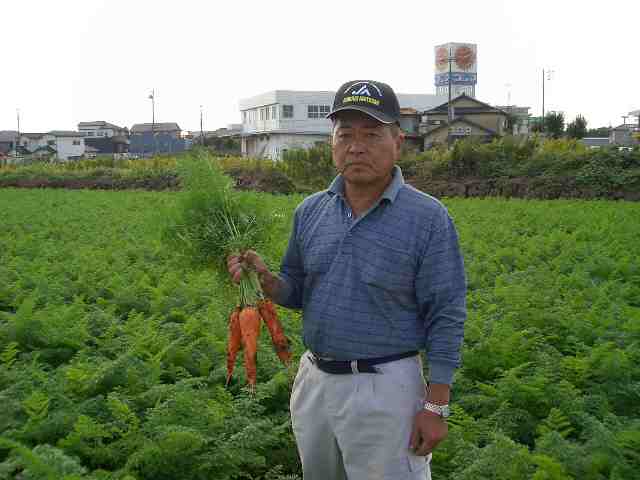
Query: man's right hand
column 248, row 260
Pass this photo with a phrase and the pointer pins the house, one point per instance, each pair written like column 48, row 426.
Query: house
column 471, row 118
column 101, row 128
column 279, row 120
column 105, row 137
column 625, row 135
column 519, row 119
column 410, row 125
column 59, row 144
column 150, row 138
column 8, row 141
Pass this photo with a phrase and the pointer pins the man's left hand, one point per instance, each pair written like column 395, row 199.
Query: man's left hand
column 429, row 429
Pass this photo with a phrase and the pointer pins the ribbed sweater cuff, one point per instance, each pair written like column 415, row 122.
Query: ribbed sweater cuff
column 441, row 372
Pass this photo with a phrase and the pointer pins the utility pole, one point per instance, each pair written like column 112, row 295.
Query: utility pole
column 153, row 118
column 548, row 77
column 201, row 129
column 18, row 135
column 542, row 123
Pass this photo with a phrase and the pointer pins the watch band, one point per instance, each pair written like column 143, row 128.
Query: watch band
column 440, row 410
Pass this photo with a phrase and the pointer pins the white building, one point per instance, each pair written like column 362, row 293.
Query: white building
column 63, row 145
column 101, row 129
column 520, row 119
column 285, row 119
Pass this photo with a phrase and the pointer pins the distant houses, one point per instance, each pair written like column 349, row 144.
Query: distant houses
column 471, row 118
column 8, row 141
column 102, row 137
column 149, row 138
column 56, row 144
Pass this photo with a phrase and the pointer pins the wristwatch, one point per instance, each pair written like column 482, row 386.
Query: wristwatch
column 440, row 410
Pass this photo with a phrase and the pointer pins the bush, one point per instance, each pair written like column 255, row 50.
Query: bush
column 310, row 169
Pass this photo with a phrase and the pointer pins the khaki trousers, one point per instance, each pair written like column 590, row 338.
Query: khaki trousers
column 358, row 426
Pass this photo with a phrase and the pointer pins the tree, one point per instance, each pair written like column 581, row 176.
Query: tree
column 577, row 128
column 554, row 124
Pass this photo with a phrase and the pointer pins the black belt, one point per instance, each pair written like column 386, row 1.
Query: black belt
column 341, row 367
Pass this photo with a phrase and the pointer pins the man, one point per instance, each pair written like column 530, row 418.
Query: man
column 376, row 267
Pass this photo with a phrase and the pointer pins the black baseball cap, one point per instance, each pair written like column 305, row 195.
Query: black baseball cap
column 376, row 99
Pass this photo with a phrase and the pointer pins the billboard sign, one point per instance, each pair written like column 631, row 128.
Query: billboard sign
column 463, row 58
column 457, row 78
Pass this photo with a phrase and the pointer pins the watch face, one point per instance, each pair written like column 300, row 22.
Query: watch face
column 445, row 411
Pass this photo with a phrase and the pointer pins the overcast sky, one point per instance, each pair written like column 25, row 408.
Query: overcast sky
column 68, row 61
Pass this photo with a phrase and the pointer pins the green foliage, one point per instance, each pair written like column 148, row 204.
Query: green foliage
column 112, row 347
column 10, row 354
column 554, row 124
column 212, row 220
column 577, row 128
column 312, row 169
column 601, row 132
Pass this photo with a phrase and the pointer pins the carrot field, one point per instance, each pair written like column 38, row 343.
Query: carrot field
column 112, row 345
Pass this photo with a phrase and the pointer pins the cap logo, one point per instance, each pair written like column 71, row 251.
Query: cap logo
column 362, row 94
column 363, row 90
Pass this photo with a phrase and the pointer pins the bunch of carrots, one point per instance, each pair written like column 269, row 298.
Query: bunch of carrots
column 212, row 222
column 244, row 331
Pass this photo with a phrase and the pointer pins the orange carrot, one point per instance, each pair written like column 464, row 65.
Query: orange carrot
column 234, row 343
column 250, row 330
column 280, row 343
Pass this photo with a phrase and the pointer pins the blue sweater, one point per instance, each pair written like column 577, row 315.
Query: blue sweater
column 389, row 281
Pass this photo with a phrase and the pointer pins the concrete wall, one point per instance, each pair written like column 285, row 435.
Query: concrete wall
column 258, row 112
column 272, row 145
column 68, row 147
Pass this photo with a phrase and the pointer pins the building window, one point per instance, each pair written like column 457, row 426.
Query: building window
column 51, row 142
column 76, row 142
column 90, row 134
column 317, row 111
column 101, row 134
column 273, row 112
column 287, row 111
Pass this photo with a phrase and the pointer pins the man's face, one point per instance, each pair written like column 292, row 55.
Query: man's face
column 364, row 150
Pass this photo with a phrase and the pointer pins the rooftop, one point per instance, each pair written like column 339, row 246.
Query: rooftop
column 155, row 127
column 98, row 124
column 8, row 135
column 65, row 133
column 418, row 101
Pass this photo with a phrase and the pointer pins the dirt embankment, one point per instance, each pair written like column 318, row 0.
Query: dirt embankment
column 531, row 188
column 160, row 182
column 276, row 182
column 270, row 181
